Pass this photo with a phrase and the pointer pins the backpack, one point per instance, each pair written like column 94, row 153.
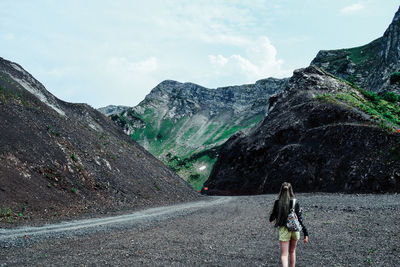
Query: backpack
column 293, row 224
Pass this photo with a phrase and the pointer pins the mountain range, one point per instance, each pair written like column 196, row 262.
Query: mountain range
column 184, row 124
column 191, row 128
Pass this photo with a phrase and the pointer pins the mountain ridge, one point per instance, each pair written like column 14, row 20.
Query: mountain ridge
column 314, row 138
column 184, row 124
column 369, row 66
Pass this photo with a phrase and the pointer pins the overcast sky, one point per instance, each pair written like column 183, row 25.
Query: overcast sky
column 104, row 52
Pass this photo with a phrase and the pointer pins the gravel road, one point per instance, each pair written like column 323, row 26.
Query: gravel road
column 345, row 230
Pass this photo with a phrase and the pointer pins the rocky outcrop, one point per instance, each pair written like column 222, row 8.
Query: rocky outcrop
column 183, row 123
column 112, row 109
column 369, row 66
column 388, row 60
column 353, row 64
column 312, row 139
column 62, row 159
column 187, row 99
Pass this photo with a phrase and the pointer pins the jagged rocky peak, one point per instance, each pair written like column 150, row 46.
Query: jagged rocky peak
column 312, row 79
column 175, row 100
column 169, row 88
column 391, row 40
column 388, row 59
column 167, row 85
column 191, row 97
column 369, row 66
column 313, row 138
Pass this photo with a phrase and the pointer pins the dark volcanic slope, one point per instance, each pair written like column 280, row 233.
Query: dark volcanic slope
column 58, row 158
column 314, row 140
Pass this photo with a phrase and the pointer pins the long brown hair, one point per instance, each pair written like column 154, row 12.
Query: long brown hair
column 285, row 194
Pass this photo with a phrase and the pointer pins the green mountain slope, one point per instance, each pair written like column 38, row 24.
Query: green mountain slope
column 184, row 124
column 374, row 66
column 352, row 64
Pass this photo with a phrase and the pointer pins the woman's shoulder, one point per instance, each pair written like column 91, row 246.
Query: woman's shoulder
column 295, row 200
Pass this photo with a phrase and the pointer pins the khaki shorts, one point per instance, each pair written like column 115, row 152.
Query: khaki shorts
column 286, row 235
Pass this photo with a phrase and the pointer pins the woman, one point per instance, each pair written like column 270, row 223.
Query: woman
column 288, row 240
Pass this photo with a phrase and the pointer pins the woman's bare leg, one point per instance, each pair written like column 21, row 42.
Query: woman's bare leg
column 284, row 253
column 292, row 252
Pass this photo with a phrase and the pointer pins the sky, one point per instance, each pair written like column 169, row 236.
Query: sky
column 103, row 52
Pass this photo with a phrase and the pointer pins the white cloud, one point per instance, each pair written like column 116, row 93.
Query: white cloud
column 223, row 39
column 351, row 9
column 128, row 81
column 218, row 60
column 58, row 72
column 258, row 61
column 121, row 64
column 9, row 37
column 120, row 51
column 211, row 22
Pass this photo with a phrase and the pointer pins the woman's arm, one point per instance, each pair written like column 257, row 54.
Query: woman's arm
column 274, row 212
column 300, row 217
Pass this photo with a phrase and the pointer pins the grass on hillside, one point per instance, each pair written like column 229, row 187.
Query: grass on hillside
column 385, row 110
column 9, row 93
column 188, row 166
column 186, row 147
column 363, row 57
column 166, row 140
column 224, row 132
column 366, row 52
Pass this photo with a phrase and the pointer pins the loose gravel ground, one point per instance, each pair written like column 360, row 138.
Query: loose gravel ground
column 345, row 230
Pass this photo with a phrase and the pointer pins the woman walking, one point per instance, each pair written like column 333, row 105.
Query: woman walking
column 288, row 240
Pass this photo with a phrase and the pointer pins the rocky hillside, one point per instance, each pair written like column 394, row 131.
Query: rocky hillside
column 374, row 66
column 112, row 109
column 59, row 159
column 184, row 124
column 322, row 134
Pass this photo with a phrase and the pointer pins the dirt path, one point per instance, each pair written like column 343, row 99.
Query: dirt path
column 13, row 237
column 345, row 230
